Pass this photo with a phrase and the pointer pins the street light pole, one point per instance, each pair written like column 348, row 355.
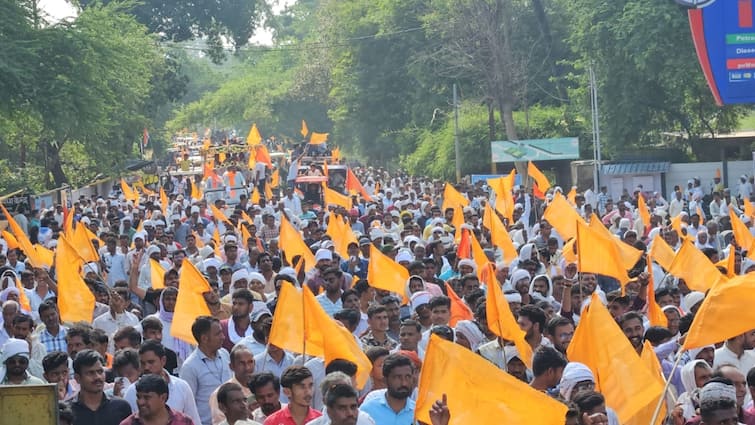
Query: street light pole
column 456, row 137
column 595, row 130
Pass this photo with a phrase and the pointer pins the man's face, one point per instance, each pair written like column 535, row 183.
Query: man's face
column 617, row 309
column 589, row 280
column 215, row 337
column 332, row 282
column 240, row 308
column 22, row 330
column 151, row 363
column 344, row 411
column 393, row 312
column 268, row 398
column 150, row 403
column 409, row 338
column 231, row 252
column 738, row 379
column 16, row 365
column 470, row 285
column 563, row 336
column 379, row 322
column 235, row 405
column 351, row 302
column 300, row 394
column 169, row 302
column 50, row 318
column 155, row 334
column 75, row 344
column 243, row 366
column 634, row 331
column 58, row 375
column 265, row 263
column 526, row 325
column 92, row 378
column 541, row 286
column 400, row 382
column 517, row 369
column 440, row 315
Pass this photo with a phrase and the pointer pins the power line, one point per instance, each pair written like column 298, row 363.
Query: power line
column 301, row 46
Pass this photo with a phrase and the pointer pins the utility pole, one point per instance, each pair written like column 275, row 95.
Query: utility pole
column 595, row 130
column 456, row 137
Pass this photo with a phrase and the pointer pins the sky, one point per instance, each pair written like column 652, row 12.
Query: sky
column 60, row 9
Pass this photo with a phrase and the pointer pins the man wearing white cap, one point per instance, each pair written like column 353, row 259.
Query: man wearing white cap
column 15, row 359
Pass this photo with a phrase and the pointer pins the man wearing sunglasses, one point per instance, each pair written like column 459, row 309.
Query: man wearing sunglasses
column 15, row 361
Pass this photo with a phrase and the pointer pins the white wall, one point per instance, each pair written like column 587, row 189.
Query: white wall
column 679, row 174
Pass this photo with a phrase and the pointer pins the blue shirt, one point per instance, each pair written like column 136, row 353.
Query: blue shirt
column 204, row 375
column 383, row 414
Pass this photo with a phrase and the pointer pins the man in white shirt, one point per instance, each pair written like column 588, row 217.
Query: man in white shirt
column 117, row 317
column 292, row 202
column 677, row 205
column 330, row 299
column 737, row 352
column 114, row 262
column 152, row 360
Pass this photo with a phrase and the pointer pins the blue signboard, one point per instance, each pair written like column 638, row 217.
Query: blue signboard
column 724, row 37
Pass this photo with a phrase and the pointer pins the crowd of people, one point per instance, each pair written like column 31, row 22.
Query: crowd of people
column 126, row 367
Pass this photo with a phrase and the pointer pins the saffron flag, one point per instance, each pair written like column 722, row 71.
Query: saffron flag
column 457, row 221
column 499, row 235
column 642, row 210
column 128, row 192
column 599, row 254
column 354, row 186
column 254, row 138
column 318, row 138
column 721, row 315
column 452, row 198
column 83, row 244
column 464, row 250
column 23, row 300
column 749, row 209
column 196, row 193
column 10, row 240
column 336, row 154
column 23, row 240
column 288, row 330
column 478, row 254
column 695, row 268
column 291, row 242
column 645, row 416
column 219, row 215
column 741, row 233
column 331, row 197
column 340, row 343
column 504, row 199
column 275, row 179
column 572, row 195
column 68, row 223
column 542, row 182
column 164, row 203
column 562, row 216
column 262, row 155
column 459, row 309
column 190, row 303
column 341, row 234
column 661, row 252
column 384, row 273
column 501, row 322
column 620, row 375
column 304, row 130
column 47, row 256
column 655, row 313
column 628, row 254
column 75, row 300
column 477, row 391
column 156, row 274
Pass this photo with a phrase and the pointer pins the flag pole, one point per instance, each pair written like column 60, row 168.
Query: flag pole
column 666, row 386
column 579, row 263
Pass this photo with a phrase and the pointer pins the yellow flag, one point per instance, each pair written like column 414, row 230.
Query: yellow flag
column 275, row 179
column 196, row 193
column 163, row 203
column 157, row 274
column 254, row 138
column 288, row 331
column 501, row 322
column 504, row 199
column 22, row 298
column 478, row 254
column 562, row 217
column 46, row 256
column 10, row 240
column 68, row 223
column 332, row 197
column 741, row 233
column 255, row 198
column 83, row 244
column 477, row 391
column 642, row 209
column 340, row 343
column 128, row 192
column 572, row 196
column 459, row 309
column 721, row 315
column 628, row 254
column 598, row 253
column 23, row 240
column 695, row 268
column 341, row 234
column 304, row 129
column 75, row 300
column 728, row 263
column 318, row 138
column 645, row 416
column 662, row 253
column 542, row 182
column 291, row 242
column 452, row 198
column 499, row 235
column 749, row 209
column 621, row 376
column 190, row 303
column 268, row 192
column 568, row 252
column 457, row 221
column 220, row 215
column 199, row 241
column 384, row 273
column 655, row 313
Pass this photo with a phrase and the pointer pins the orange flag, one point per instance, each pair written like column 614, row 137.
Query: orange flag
column 459, row 309
column 220, row 215
column 457, row 221
column 10, row 240
column 741, row 233
column 22, row 239
column 75, row 300
column 200, row 243
column 83, row 244
column 275, row 179
column 622, row 378
column 341, row 234
column 304, row 129
column 721, row 315
column 749, row 209
column 336, row 154
column 354, row 186
column 477, row 391
column 452, row 198
column 318, row 138
column 499, row 235
column 288, row 331
column 695, row 268
column 332, row 197
column 478, row 254
column 340, row 343
column 504, row 200
column 156, row 274
column 572, row 196
column 68, row 223
column 655, row 313
column 542, row 182
column 662, row 253
column 292, row 244
column 255, row 198
column 502, row 323
column 263, row 156
column 45, row 255
column 645, row 416
column 190, row 303
column 164, row 202
column 384, row 273
column 599, row 254
column 464, row 250
column 22, row 298
column 642, row 210
column 562, row 217
column 728, row 263
column 628, row 254
column 568, row 252
column 128, row 192
column 254, row 138
column 196, row 193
